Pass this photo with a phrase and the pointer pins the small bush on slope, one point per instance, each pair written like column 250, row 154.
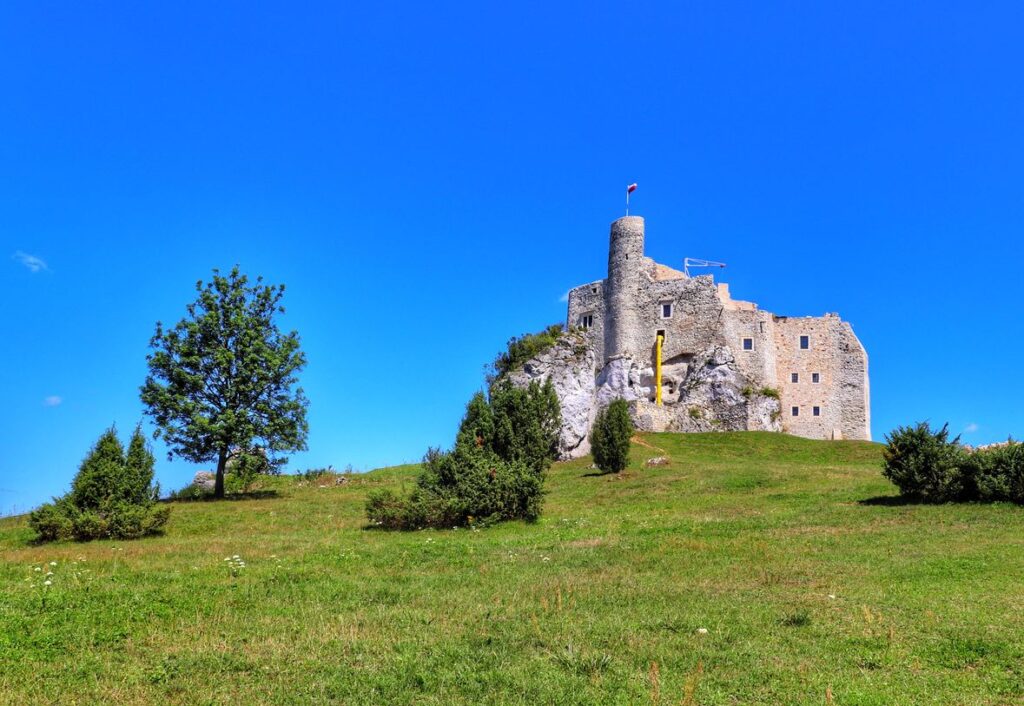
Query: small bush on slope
column 495, row 472
column 609, row 437
column 112, row 496
column 924, row 464
column 998, row 472
column 521, row 348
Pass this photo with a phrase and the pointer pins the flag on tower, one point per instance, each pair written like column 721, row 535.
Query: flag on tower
column 631, row 188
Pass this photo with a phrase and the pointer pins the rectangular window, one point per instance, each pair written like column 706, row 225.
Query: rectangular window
column 796, row 411
column 816, row 411
column 666, row 310
column 794, row 377
column 586, row 321
column 815, row 377
column 805, row 342
column 748, row 344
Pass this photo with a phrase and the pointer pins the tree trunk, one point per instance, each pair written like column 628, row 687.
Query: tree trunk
column 218, row 486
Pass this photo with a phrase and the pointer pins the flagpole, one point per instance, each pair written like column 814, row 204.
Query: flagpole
column 627, row 200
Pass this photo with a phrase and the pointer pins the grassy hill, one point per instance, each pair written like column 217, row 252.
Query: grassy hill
column 792, row 555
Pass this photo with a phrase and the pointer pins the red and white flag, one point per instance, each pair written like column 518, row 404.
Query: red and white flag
column 631, row 188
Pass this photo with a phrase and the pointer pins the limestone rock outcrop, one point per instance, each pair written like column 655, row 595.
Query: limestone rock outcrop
column 708, row 394
column 570, row 366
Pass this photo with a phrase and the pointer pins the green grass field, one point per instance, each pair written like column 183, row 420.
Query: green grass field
column 754, row 568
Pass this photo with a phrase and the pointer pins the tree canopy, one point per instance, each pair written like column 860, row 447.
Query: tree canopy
column 225, row 377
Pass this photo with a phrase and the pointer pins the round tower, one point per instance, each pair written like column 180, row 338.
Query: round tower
column 625, row 262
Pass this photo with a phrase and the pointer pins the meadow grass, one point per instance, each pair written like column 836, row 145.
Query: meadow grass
column 753, row 568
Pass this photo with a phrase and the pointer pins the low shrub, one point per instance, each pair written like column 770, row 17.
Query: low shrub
column 998, row 472
column 925, row 464
column 53, row 522
column 610, row 435
column 521, row 348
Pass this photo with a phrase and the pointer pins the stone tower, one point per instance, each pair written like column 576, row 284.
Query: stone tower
column 625, row 266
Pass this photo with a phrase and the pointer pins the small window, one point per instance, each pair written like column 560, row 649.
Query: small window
column 666, row 310
column 660, row 334
column 815, row 377
column 748, row 344
column 816, row 411
column 586, row 321
column 760, row 325
column 794, row 377
column 594, row 290
column 805, row 342
column 796, row 411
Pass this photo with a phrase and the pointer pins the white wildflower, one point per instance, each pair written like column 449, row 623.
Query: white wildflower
column 702, row 631
column 47, row 582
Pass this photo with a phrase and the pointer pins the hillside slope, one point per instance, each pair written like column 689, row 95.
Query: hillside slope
column 791, row 554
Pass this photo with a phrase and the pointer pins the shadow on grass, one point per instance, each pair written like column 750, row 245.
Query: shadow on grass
column 891, row 501
column 250, row 495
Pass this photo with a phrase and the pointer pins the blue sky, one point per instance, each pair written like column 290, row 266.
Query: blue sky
column 428, row 179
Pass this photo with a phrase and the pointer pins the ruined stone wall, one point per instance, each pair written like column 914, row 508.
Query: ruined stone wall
column 759, row 362
column 852, row 392
column 588, row 300
column 840, row 394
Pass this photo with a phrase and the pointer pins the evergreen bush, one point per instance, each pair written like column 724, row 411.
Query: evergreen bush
column 495, row 471
column 927, row 465
column 998, row 472
column 112, row 496
column 610, row 435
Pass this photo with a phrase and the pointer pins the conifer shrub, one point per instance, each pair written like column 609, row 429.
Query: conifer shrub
column 495, row 471
column 929, row 466
column 998, row 472
column 926, row 465
column 112, row 496
column 610, row 435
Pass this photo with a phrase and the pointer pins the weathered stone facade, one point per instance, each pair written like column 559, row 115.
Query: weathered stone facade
column 726, row 365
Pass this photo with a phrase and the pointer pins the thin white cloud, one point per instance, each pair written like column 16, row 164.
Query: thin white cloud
column 971, row 428
column 565, row 297
column 52, row 401
column 33, row 263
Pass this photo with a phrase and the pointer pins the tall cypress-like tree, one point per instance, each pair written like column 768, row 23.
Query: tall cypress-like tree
column 225, row 376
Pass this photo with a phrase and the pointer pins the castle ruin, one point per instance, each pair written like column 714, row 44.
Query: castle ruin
column 722, row 364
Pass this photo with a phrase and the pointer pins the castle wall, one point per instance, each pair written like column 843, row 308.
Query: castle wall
column 841, row 394
column 588, row 300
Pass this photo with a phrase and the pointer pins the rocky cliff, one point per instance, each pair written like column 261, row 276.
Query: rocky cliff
column 703, row 392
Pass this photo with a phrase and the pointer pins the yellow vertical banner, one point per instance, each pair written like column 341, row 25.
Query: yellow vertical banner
column 657, row 372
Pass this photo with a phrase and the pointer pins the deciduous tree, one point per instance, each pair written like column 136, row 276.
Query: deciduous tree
column 226, row 377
